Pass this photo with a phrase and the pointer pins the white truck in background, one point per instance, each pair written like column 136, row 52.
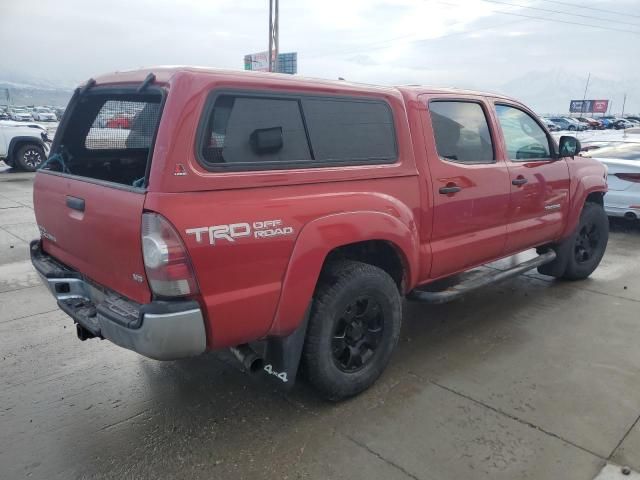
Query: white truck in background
column 23, row 146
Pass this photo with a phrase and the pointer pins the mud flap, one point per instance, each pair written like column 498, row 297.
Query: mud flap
column 282, row 356
column 559, row 265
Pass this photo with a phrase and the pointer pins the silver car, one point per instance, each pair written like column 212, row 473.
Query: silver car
column 20, row 115
column 42, row 114
column 623, row 164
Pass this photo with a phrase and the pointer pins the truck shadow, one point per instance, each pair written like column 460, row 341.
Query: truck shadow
column 208, row 412
column 621, row 225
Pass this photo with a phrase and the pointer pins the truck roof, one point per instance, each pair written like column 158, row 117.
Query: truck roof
column 165, row 73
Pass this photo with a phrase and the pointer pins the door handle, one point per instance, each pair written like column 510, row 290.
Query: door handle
column 519, row 181
column 449, row 189
column 75, row 203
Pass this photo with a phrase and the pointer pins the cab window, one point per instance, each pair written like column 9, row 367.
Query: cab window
column 523, row 136
column 461, row 132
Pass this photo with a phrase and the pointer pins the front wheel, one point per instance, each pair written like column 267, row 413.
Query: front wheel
column 29, row 157
column 353, row 329
column 580, row 254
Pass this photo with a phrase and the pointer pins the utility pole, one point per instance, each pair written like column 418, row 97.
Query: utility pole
column 584, row 97
column 624, row 101
column 274, row 42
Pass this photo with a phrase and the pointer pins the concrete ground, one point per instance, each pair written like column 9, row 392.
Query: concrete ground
column 529, row 379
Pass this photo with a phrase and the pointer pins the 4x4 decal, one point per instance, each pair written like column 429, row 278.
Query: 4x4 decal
column 230, row 232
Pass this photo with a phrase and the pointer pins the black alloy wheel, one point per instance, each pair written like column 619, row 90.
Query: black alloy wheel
column 357, row 334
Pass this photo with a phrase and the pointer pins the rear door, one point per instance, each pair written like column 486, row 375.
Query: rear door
column 540, row 184
column 470, row 184
column 89, row 197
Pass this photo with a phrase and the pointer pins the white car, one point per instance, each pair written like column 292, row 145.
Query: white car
column 42, row 114
column 623, row 163
column 20, row 115
column 23, row 146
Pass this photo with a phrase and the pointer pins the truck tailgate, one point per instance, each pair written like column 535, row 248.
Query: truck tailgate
column 94, row 229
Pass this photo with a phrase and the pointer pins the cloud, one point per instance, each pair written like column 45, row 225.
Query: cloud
column 466, row 43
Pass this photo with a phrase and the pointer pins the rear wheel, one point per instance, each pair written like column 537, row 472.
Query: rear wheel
column 29, row 157
column 353, row 329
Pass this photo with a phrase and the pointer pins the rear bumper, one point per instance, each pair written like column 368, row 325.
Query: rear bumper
column 163, row 330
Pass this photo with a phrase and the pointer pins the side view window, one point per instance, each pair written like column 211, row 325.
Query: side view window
column 255, row 132
column 461, row 132
column 524, row 138
column 253, row 129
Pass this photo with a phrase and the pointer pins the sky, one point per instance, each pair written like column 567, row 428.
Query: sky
column 490, row 45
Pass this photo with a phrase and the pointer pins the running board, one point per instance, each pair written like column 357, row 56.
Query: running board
column 457, row 291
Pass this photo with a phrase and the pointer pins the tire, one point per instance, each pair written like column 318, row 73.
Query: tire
column 571, row 128
column 353, row 329
column 580, row 254
column 29, row 157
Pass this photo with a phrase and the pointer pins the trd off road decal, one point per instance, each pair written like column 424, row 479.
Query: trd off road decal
column 232, row 231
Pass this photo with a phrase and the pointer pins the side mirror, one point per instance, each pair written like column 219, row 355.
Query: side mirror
column 266, row 140
column 569, row 146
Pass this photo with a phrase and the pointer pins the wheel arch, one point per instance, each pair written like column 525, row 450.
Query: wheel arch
column 16, row 142
column 377, row 238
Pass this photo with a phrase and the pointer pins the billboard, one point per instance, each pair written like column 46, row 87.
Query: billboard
column 588, row 106
column 259, row 62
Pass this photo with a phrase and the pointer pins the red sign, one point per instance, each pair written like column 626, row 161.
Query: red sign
column 600, row 106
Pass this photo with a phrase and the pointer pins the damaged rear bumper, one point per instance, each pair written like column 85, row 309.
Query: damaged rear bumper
column 163, row 330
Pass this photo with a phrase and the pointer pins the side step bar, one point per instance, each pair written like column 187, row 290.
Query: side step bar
column 452, row 293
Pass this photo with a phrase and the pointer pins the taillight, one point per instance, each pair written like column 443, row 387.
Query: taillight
column 629, row 177
column 166, row 260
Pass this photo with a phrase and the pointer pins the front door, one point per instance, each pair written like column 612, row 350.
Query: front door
column 539, row 180
column 470, row 185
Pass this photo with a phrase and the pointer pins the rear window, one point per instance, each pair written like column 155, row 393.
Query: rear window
column 255, row 132
column 109, row 137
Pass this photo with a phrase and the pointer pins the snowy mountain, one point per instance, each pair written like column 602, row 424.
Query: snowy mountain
column 24, row 90
column 551, row 91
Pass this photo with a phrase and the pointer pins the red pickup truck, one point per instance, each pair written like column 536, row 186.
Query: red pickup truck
column 286, row 218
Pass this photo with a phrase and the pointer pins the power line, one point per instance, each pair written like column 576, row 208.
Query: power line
column 502, row 12
column 548, row 10
column 389, row 41
column 595, row 9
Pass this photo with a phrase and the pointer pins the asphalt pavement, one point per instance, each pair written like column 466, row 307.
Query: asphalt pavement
column 532, row 378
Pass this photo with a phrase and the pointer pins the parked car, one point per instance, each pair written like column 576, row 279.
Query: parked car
column 228, row 221
column 120, row 121
column 20, row 115
column 580, row 126
column 591, row 123
column 622, row 123
column 566, row 123
column 552, row 127
column 59, row 113
column 23, row 146
column 623, row 167
column 608, row 121
column 42, row 114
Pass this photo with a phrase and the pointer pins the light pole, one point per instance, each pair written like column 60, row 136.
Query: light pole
column 273, row 35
